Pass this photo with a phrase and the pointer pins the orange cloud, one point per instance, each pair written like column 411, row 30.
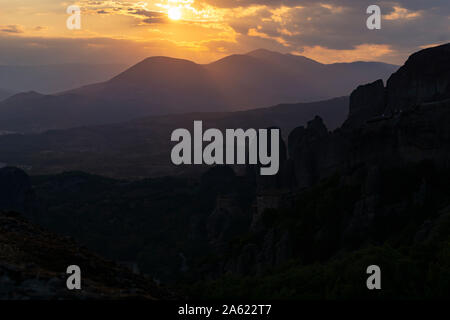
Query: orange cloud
column 366, row 52
column 402, row 13
column 253, row 32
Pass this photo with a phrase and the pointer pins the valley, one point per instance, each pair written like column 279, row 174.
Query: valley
column 350, row 192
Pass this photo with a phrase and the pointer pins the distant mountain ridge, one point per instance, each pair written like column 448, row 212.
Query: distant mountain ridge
column 162, row 85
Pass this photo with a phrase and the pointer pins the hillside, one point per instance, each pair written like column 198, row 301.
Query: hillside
column 163, row 85
column 371, row 192
column 141, row 148
column 374, row 191
column 33, row 265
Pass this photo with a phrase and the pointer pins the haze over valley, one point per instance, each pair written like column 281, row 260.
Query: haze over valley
column 161, row 86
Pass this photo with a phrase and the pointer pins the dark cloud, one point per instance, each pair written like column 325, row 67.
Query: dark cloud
column 12, row 28
column 40, row 28
column 341, row 24
column 149, row 17
column 335, row 25
column 409, row 4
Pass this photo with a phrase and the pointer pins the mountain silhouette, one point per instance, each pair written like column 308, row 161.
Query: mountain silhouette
column 162, row 85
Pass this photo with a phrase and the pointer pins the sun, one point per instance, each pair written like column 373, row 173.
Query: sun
column 175, row 13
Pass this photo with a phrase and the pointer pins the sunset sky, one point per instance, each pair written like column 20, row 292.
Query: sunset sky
column 34, row 32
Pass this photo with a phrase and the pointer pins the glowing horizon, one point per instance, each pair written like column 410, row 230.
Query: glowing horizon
column 207, row 30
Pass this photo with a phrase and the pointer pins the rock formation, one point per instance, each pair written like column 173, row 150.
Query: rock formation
column 425, row 77
column 404, row 124
column 366, row 102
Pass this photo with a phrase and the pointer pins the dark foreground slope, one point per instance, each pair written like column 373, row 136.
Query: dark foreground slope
column 33, row 261
column 33, row 265
column 157, row 225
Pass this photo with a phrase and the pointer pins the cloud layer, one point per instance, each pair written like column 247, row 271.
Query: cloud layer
column 328, row 31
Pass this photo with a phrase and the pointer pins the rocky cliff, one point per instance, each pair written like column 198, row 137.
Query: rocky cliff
column 340, row 189
column 405, row 122
column 423, row 78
